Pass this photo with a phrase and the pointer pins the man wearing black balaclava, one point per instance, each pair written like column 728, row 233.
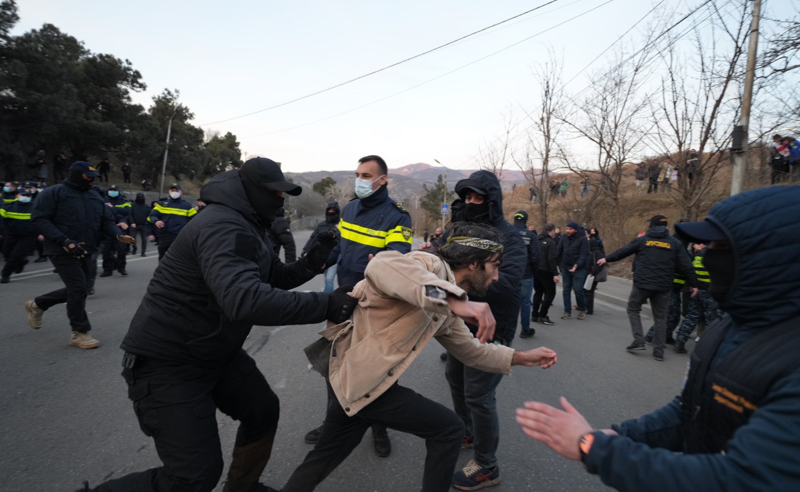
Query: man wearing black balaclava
column 71, row 217
column 331, row 223
column 183, row 352
column 140, row 211
column 735, row 424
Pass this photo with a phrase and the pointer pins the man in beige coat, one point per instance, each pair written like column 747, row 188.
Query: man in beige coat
column 404, row 301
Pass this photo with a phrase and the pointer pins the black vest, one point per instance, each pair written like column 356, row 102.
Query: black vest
column 716, row 403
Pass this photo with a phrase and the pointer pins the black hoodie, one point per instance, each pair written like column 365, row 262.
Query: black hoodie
column 329, row 224
column 503, row 295
column 220, row 278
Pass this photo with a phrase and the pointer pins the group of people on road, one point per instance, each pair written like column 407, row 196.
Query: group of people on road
column 219, row 274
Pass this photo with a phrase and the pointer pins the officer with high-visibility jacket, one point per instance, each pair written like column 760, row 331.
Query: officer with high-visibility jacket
column 169, row 217
column 700, row 306
column 17, row 233
column 10, row 192
column 122, row 217
column 371, row 223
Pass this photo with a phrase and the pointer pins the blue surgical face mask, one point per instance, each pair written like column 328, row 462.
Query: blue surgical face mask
column 25, row 199
column 113, row 194
column 364, row 187
column 6, row 189
column 174, row 194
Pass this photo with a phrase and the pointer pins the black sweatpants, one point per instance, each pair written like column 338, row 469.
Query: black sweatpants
column 15, row 251
column 140, row 234
column 544, row 288
column 398, row 408
column 114, row 254
column 176, row 404
column 74, row 272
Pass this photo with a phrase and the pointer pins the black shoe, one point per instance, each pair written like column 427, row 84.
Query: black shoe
column 648, row 339
column 534, row 318
column 106, row 273
column 4, row 280
column 383, row 446
column 546, row 321
column 527, row 333
column 40, row 259
column 679, row 348
column 133, row 251
column 670, row 341
column 122, row 271
column 589, row 312
column 443, row 356
column 143, row 253
column 90, row 291
column 659, row 356
column 313, row 435
column 635, row 346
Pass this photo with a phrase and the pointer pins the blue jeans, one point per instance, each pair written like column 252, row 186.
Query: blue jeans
column 330, row 277
column 573, row 281
column 525, row 293
column 473, row 393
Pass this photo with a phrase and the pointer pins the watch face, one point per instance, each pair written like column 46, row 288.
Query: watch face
column 586, row 443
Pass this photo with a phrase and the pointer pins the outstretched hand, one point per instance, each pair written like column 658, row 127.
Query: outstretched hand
column 559, row 429
column 542, row 357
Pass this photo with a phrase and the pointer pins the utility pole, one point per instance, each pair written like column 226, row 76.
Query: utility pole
column 740, row 132
column 444, row 197
column 166, row 152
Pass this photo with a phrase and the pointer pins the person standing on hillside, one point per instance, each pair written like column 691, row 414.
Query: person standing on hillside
column 126, row 172
column 653, row 172
column 370, row 223
column 545, row 277
column 658, row 257
column 573, row 254
column 104, row 167
column 563, row 188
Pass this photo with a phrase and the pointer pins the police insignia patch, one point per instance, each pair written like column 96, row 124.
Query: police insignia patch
column 406, row 233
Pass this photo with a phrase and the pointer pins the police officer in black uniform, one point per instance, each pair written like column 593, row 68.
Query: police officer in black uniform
column 183, row 352
column 115, row 252
column 526, row 289
column 17, row 233
column 170, row 216
column 140, row 211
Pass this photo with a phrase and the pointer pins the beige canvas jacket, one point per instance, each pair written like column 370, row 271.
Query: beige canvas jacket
column 401, row 307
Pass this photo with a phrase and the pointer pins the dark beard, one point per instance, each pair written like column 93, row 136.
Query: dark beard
column 476, row 283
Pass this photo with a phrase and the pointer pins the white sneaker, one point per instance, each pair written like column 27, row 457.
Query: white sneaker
column 83, row 340
column 35, row 314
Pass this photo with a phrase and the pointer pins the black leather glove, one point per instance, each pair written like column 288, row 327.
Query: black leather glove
column 320, row 249
column 74, row 248
column 340, row 305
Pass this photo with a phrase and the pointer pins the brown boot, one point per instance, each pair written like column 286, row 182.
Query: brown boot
column 248, row 463
column 83, row 340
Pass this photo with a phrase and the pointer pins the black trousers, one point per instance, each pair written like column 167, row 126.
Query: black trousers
column 653, row 186
column 126, row 178
column 114, row 254
column 590, row 298
column 176, row 405
column 15, row 251
column 164, row 242
column 140, row 234
column 400, row 409
column 544, row 293
column 74, row 272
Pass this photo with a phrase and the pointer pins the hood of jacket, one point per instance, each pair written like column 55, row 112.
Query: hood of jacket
column 657, row 232
column 764, row 233
column 488, row 182
column 335, row 206
column 226, row 189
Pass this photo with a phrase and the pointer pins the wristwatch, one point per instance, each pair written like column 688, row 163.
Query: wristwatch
column 585, row 445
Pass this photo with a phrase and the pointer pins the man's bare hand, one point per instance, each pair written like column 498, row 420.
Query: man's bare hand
column 123, row 226
column 476, row 313
column 559, row 429
column 694, row 290
column 151, row 238
column 601, row 261
column 542, row 356
column 555, row 279
column 160, row 224
column 426, row 246
column 572, row 270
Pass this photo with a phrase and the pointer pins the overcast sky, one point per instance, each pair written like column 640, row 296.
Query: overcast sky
column 235, row 57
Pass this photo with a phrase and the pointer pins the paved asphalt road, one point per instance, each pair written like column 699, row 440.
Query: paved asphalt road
column 65, row 416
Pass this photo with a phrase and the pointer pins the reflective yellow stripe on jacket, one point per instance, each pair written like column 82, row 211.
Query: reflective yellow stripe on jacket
column 173, row 211
column 123, row 205
column 700, row 270
column 14, row 215
column 372, row 237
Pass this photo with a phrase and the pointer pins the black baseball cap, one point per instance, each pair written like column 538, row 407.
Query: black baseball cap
column 658, row 220
column 84, row 168
column 177, row 186
column 701, row 232
column 267, row 173
column 113, row 188
column 521, row 215
column 470, row 185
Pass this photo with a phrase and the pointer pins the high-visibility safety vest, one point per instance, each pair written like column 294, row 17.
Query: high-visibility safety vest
column 174, row 213
column 700, row 269
column 367, row 227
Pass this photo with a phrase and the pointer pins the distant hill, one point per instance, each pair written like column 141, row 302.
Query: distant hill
column 406, row 181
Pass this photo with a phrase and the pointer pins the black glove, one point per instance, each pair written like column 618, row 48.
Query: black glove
column 318, row 252
column 74, row 248
column 340, row 305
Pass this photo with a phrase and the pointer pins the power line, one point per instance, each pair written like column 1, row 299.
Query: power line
column 382, row 69
column 435, row 78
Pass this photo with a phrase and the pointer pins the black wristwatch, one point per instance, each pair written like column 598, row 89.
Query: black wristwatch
column 585, row 445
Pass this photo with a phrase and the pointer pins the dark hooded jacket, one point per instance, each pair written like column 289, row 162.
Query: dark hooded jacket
column 140, row 212
column 280, row 235
column 764, row 452
column 220, row 278
column 659, row 256
column 532, row 246
column 549, row 248
column 503, row 295
column 329, row 224
column 574, row 250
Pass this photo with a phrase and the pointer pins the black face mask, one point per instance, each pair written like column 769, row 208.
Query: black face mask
column 720, row 265
column 264, row 201
column 332, row 218
column 473, row 212
column 140, row 200
column 76, row 178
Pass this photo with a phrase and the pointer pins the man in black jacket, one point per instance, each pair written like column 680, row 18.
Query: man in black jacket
column 526, row 289
column 546, row 276
column 184, row 357
column 140, row 211
column 658, row 257
column 331, row 223
column 472, row 390
column 280, row 235
column 573, row 254
column 71, row 217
